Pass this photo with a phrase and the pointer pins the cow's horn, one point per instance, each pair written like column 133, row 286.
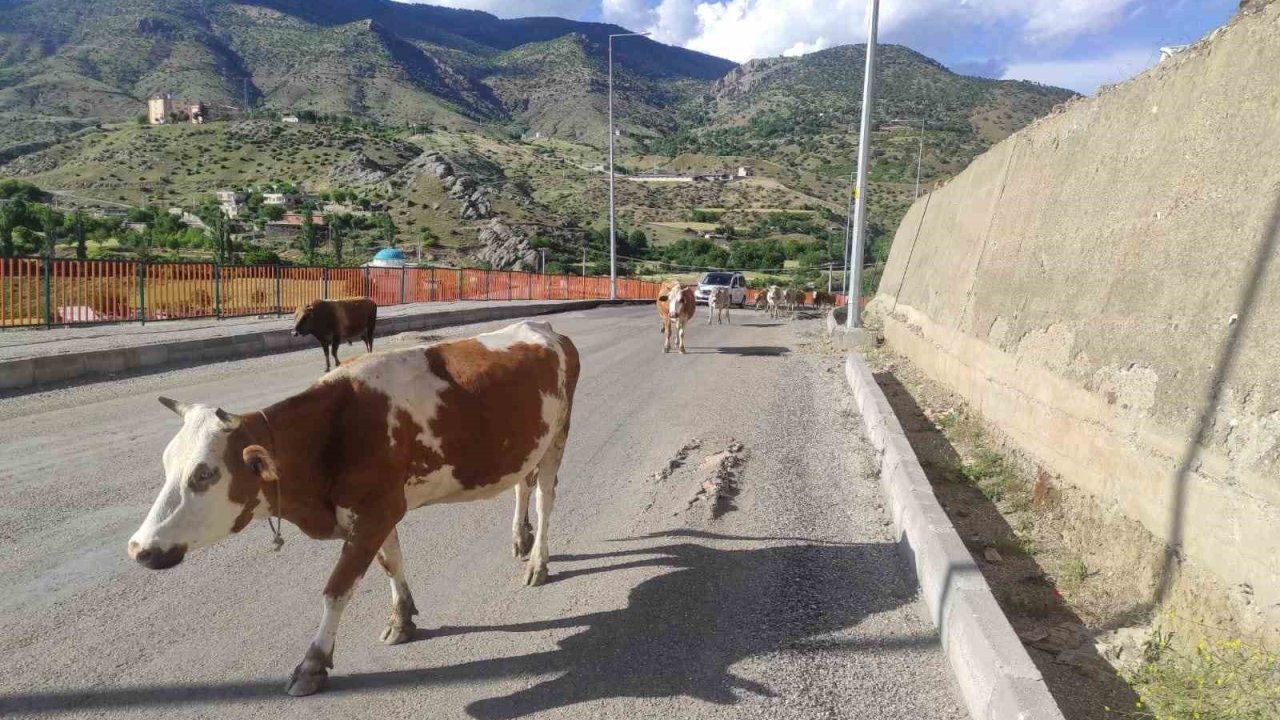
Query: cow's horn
column 180, row 408
column 230, row 421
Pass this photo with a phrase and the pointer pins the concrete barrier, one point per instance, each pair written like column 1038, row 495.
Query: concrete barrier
column 997, row 678
column 29, row 374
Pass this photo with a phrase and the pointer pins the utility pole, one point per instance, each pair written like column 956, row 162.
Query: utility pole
column 613, row 240
column 853, row 317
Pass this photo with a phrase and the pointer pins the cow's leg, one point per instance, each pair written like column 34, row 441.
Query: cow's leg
column 666, row 335
column 680, row 328
column 324, row 348
column 727, row 317
column 357, row 552
column 400, row 627
column 337, row 340
column 711, row 311
column 521, row 530
column 535, row 571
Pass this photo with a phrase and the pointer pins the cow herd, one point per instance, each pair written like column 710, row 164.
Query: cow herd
column 386, row 433
column 676, row 306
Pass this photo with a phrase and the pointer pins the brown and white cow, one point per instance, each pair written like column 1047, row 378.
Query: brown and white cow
column 676, row 305
column 774, row 298
column 718, row 305
column 348, row 457
column 332, row 321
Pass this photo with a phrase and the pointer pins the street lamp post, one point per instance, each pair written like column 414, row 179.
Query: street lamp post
column 853, row 317
column 613, row 239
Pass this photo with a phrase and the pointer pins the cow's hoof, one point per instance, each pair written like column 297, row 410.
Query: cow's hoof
column 306, row 681
column 399, row 631
column 535, row 575
column 682, row 352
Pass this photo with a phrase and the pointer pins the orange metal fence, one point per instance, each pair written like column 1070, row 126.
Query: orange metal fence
column 71, row 292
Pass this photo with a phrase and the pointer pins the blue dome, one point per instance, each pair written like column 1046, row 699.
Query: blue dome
column 389, row 254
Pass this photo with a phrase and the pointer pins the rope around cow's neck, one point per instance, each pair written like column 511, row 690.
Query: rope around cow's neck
column 277, row 540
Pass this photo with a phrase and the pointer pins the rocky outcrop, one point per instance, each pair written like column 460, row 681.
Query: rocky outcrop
column 503, row 248
column 358, row 169
column 475, row 203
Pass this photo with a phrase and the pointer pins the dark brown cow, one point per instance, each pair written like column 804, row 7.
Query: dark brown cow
column 347, row 458
column 332, row 321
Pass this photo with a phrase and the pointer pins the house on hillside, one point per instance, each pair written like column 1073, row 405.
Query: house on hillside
column 229, row 202
column 290, row 119
column 163, row 109
column 282, row 199
column 746, row 171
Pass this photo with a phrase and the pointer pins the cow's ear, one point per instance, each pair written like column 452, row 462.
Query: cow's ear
column 261, row 463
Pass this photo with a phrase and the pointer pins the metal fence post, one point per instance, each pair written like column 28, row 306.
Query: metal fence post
column 431, row 286
column 403, row 272
column 279, row 273
column 46, row 266
column 487, row 275
column 459, row 295
column 142, row 292
column 366, row 282
column 509, row 290
column 324, row 283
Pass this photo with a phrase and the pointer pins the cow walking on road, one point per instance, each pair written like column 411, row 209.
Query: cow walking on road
column 718, row 305
column 774, row 298
column 332, row 321
column 676, row 305
column 346, row 459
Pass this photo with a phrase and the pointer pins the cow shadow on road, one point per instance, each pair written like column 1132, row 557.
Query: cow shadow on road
column 682, row 631
column 747, row 351
column 679, row 635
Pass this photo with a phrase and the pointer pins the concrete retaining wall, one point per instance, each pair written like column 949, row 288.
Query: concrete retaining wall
column 1100, row 287
column 32, row 373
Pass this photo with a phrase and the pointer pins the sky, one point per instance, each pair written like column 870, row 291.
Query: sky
column 1078, row 44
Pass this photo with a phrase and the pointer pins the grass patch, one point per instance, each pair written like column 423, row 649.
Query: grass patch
column 1222, row 680
column 1073, row 574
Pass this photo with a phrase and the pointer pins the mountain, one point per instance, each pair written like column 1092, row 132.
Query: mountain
column 393, row 62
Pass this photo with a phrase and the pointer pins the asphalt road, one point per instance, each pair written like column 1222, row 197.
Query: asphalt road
column 782, row 598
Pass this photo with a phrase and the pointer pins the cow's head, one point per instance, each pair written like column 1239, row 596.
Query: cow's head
column 302, row 319
column 674, row 298
column 213, row 478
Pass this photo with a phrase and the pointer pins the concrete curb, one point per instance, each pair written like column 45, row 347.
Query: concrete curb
column 996, row 676
column 30, row 374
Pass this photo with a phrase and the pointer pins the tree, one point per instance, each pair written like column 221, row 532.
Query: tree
column 51, row 221
column 12, row 214
column 82, row 251
column 308, row 234
column 388, row 227
column 338, row 226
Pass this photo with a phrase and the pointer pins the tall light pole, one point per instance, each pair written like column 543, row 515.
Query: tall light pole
column 848, row 232
column 853, row 315
column 613, row 238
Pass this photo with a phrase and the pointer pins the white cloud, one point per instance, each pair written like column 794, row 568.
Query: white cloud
column 744, row 29
column 521, row 8
column 630, row 14
column 1084, row 75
